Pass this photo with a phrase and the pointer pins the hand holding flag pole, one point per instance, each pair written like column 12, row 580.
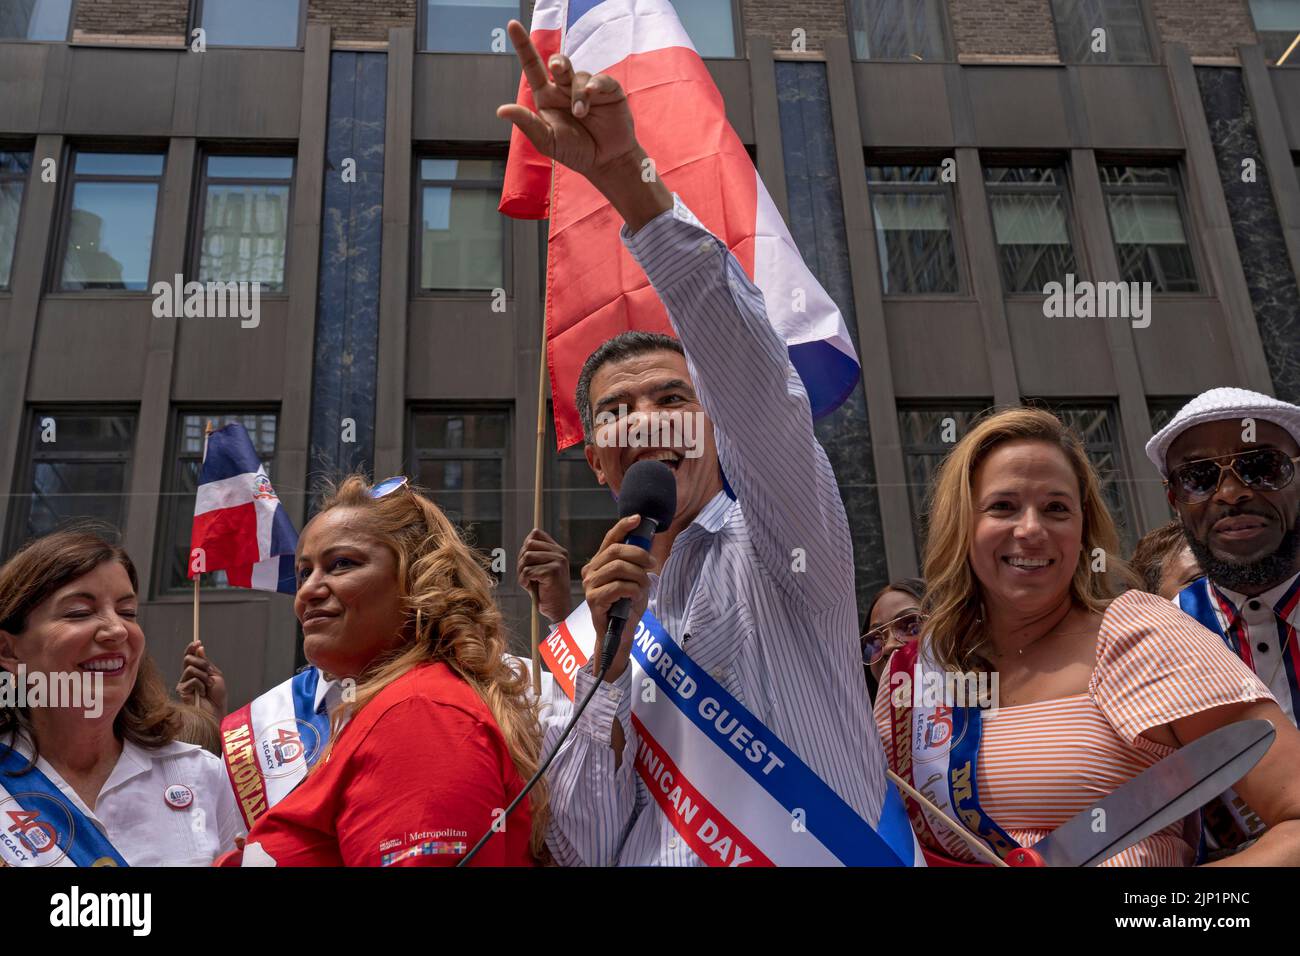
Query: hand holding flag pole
column 240, row 526
column 535, row 73
column 535, row 635
column 200, row 691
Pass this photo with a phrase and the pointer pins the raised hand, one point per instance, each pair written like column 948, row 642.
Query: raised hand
column 583, row 121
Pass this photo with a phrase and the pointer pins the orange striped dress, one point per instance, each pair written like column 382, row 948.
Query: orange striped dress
column 1039, row 764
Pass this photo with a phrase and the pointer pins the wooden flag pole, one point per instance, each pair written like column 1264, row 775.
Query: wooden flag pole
column 976, row 845
column 538, row 461
column 207, row 430
column 535, row 631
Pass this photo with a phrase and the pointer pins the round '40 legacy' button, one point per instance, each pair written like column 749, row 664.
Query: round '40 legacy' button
column 178, row 796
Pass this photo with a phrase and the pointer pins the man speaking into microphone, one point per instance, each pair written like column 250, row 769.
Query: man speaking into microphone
column 751, row 584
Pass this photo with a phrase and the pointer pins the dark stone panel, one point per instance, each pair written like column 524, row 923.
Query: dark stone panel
column 347, row 311
column 817, row 225
column 1255, row 225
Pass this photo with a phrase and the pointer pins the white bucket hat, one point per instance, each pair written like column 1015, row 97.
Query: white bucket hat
column 1219, row 404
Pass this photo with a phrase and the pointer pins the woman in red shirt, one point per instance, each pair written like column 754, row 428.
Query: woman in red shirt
column 439, row 735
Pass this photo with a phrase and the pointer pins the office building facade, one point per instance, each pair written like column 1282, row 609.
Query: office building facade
column 940, row 164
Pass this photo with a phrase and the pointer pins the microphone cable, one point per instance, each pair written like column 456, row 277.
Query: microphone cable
column 606, row 657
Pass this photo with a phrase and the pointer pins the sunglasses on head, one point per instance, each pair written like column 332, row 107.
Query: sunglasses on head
column 389, row 485
column 901, row 630
column 1262, row 469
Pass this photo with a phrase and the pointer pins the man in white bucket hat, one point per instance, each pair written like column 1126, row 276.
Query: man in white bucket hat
column 1229, row 459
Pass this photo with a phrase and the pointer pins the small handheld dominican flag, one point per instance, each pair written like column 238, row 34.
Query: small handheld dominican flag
column 240, row 526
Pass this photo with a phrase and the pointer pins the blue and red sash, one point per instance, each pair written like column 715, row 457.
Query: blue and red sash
column 936, row 750
column 731, row 788
column 1201, row 601
column 270, row 744
column 1228, row 821
column 40, row 826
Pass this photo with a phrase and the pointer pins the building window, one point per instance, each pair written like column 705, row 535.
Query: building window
column 1101, row 31
column 14, row 168
column 110, row 224
column 460, row 456
column 912, row 209
column 897, row 29
column 710, row 26
column 1146, row 222
column 928, row 433
column 251, row 22
column 1278, row 24
column 462, row 236
column 245, row 220
column 468, row 26
column 1163, row 410
column 1031, row 224
column 77, row 468
column 579, row 509
column 1097, row 428
column 178, row 501
column 34, row 19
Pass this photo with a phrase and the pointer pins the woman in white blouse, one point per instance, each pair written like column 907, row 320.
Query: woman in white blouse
column 91, row 772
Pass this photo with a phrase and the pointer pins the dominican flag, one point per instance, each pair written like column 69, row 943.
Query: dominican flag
column 594, row 289
column 240, row 527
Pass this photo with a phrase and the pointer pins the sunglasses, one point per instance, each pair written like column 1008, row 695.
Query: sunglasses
column 1263, row 469
column 901, row 630
column 389, row 485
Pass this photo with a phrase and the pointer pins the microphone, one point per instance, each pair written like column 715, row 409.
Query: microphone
column 649, row 490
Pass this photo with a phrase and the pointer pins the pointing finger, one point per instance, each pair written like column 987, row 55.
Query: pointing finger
column 529, row 58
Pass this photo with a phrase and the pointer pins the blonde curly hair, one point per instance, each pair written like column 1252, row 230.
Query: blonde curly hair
column 451, row 617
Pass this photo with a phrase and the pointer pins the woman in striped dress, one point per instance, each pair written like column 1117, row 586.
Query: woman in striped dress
column 1080, row 690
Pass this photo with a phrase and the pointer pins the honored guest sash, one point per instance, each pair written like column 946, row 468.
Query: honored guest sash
column 936, row 750
column 1229, row 820
column 40, row 826
column 271, row 743
column 734, row 792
